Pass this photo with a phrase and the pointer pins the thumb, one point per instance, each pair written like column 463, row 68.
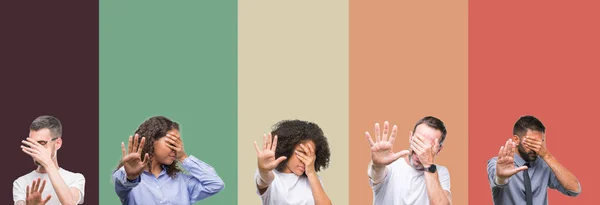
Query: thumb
column 47, row 198
column 517, row 170
column 400, row 154
column 280, row 159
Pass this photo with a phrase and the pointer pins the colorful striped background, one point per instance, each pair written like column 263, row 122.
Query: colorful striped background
column 228, row 70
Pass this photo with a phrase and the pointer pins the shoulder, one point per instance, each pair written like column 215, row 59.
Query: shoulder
column 24, row 179
column 71, row 175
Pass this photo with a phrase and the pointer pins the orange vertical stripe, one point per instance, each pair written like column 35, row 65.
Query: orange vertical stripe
column 408, row 59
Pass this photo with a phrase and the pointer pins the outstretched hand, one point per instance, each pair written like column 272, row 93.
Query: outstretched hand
column 382, row 148
column 134, row 165
column 266, row 157
column 33, row 196
column 505, row 166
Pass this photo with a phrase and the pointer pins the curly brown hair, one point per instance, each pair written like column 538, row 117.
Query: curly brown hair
column 153, row 129
column 291, row 133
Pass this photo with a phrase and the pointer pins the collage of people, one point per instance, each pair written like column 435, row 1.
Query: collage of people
column 346, row 102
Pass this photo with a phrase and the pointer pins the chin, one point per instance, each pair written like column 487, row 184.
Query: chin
column 168, row 162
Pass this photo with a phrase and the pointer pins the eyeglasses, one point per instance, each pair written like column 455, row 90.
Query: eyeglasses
column 43, row 142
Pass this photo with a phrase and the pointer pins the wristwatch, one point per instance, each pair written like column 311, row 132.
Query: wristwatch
column 431, row 168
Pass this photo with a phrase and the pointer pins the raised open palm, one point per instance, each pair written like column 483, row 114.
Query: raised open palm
column 34, row 195
column 134, row 166
column 266, row 157
column 505, row 166
column 382, row 153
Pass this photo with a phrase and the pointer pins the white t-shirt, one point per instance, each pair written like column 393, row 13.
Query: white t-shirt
column 404, row 185
column 287, row 189
column 71, row 179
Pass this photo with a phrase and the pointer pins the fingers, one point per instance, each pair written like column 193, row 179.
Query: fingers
column 29, row 151
column 122, row 149
column 501, row 152
column 517, row 170
column 302, row 158
column 172, row 142
column 146, row 156
column 370, row 139
column 274, row 146
column 173, row 147
column 510, row 148
column 377, row 133
column 135, row 142
column 130, row 145
column 28, row 143
column 37, row 185
column 532, row 143
column 311, row 149
column 386, row 130
column 27, row 192
column 265, row 142
column 400, row 154
column 304, row 149
column 279, row 160
column 416, row 141
column 256, row 147
column 47, row 198
column 269, row 141
column 141, row 147
column 505, row 148
column 43, row 186
column 416, row 149
column 394, row 133
column 32, row 143
column 175, row 140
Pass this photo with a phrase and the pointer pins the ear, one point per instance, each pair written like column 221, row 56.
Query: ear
column 516, row 139
column 59, row 143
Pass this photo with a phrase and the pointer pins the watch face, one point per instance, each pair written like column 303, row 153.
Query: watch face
column 432, row 168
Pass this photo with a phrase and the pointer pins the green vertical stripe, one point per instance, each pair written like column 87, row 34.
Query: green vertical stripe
column 177, row 59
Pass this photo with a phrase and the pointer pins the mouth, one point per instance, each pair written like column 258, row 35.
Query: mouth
column 301, row 169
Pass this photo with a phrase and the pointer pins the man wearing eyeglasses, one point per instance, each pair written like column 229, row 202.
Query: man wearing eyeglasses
column 45, row 139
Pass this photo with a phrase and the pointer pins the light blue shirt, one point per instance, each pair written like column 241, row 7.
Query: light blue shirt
column 201, row 182
column 541, row 176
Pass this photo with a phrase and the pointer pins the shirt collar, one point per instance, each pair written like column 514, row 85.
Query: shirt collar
column 163, row 172
column 521, row 162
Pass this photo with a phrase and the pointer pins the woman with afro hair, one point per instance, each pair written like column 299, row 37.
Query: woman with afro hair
column 288, row 163
column 158, row 179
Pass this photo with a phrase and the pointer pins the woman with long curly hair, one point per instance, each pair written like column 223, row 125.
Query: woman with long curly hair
column 157, row 179
column 288, row 164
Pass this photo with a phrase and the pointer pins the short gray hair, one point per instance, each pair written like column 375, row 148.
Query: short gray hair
column 49, row 122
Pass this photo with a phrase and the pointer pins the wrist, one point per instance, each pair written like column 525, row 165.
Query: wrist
column 501, row 180
column 310, row 174
column 49, row 166
column 378, row 166
column 546, row 155
column 132, row 177
column 182, row 157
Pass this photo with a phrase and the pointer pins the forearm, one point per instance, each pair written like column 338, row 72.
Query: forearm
column 564, row 176
column 60, row 187
column 208, row 182
column 318, row 192
column 122, row 186
column 265, row 178
column 437, row 195
column 377, row 173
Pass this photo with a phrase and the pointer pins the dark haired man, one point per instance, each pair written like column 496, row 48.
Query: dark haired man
column 518, row 176
column 43, row 143
column 415, row 179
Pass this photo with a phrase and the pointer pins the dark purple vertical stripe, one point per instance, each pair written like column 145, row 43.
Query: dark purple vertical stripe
column 49, row 66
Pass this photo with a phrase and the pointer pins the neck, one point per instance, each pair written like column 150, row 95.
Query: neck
column 155, row 168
